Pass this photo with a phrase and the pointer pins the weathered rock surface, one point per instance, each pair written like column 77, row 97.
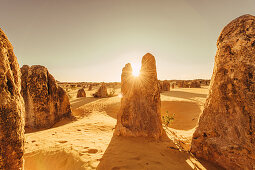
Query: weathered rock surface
column 102, row 91
column 11, row 108
column 45, row 101
column 226, row 130
column 140, row 105
column 81, row 93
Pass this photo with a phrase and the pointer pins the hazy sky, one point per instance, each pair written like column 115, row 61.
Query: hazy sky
column 91, row 40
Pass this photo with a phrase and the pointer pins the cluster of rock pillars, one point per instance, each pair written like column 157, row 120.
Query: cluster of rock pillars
column 31, row 97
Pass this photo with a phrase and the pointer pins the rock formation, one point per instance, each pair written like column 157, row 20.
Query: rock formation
column 11, row 108
column 73, row 86
column 183, row 84
column 173, row 86
column 205, row 82
column 90, row 87
column 180, row 84
column 226, row 130
column 166, row 86
column 195, row 84
column 81, row 93
column 160, row 85
column 102, row 91
column 45, row 102
column 139, row 114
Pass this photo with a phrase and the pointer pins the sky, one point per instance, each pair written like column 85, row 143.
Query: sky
column 92, row 40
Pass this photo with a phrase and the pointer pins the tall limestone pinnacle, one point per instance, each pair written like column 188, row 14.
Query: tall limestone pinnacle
column 11, row 108
column 226, row 130
column 139, row 114
column 45, row 101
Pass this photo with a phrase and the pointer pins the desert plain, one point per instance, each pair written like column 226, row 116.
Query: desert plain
column 88, row 142
column 53, row 116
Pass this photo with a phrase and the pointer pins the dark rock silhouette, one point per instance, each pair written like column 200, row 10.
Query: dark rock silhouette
column 81, row 93
column 101, row 92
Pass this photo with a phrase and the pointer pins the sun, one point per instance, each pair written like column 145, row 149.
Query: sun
column 136, row 69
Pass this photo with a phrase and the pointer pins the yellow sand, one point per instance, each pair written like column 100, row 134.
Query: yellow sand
column 88, row 142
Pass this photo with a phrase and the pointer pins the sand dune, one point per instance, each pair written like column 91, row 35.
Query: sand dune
column 88, row 143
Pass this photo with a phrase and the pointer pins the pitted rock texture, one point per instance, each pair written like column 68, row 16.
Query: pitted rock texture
column 11, row 109
column 102, row 91
column 139, row 114
column 81, row 93
column 45, row 102
column 226, row 130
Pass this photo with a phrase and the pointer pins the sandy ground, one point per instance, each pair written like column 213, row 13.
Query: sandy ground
column 88, row 142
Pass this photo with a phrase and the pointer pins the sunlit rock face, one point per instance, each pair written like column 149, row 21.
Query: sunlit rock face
column 102, row 91
column 81, row 93
column 11, row 108
column 225, row 133
column 139, row 114
column 45, row 102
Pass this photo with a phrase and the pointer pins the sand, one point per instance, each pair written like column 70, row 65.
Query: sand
column 88, row 142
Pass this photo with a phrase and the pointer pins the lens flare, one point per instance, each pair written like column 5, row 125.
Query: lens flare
column 120, row 95
column 136, row 69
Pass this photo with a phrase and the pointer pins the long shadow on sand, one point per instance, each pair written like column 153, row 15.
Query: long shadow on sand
column 112, row 109
column 62, row 122
column 141, row 153
column 186, row 113
column 82, row 101
column 184, row 94
column 74, row 105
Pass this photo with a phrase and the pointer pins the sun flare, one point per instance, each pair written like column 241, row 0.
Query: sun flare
column 136, row 69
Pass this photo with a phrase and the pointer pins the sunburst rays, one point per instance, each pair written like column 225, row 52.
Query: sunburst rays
column 136, row 77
